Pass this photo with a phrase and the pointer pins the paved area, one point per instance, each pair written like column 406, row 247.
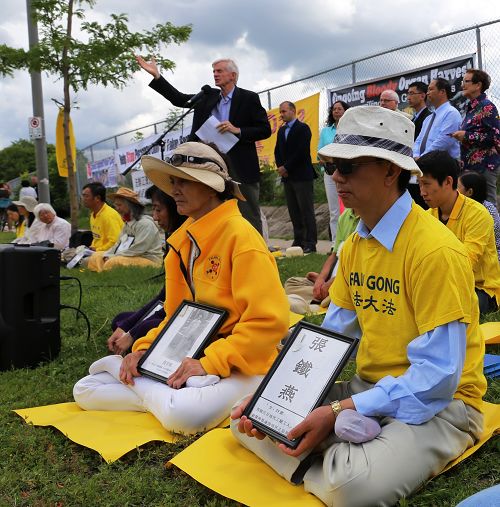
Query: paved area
column 323, row 247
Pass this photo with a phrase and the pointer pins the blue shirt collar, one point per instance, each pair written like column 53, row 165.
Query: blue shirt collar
column 229, row 96
column 387, row 228
column 289, row 124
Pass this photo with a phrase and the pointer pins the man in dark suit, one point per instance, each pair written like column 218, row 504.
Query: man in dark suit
column 239, row 112
column 293, row 159
column 417, row 92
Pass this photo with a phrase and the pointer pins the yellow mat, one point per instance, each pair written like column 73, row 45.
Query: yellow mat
column 111, row 434
column 219, row 462
column 491, row 332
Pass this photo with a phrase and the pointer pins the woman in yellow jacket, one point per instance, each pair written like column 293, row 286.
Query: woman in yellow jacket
column 216, row 257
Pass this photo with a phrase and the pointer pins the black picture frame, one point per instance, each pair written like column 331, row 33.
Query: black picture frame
column 275, row 414
column 165, row 354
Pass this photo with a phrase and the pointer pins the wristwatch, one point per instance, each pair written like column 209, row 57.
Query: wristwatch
column 336, row 407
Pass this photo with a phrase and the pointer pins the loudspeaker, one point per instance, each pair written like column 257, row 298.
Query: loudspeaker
column 29, row 305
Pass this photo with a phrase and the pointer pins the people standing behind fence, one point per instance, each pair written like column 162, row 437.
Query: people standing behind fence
column 27, row 190
column 239, row 112
column 53, row 230
column 438, row 126
column 479, row 134
column 129, row 326
column 105, row 222
column 140, row 242
column 473, row 185
column 467, row 219
column 28, row 225
column 335, row 112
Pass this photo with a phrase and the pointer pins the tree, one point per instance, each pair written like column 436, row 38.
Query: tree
column 19, row 159
column 105, row 57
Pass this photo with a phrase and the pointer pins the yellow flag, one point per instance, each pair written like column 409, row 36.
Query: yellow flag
column 62, row 165
column 307, row 112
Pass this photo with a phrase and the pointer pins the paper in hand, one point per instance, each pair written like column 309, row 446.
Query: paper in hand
column 209, row 134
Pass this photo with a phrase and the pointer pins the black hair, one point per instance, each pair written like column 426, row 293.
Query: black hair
column 97, row 189
column 443, row 84
column 25, row 183
column 15, row 209
column 439, row 165
column 479, row 76
column 403, row 180
column 420, row 86
column 174, row 219
column 330, row 121
column 476, row 182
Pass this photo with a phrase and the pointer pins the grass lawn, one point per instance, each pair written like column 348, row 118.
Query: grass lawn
column 40, row 467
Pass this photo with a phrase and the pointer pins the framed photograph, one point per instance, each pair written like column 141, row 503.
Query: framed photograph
column 186, row 334
column 299, row 380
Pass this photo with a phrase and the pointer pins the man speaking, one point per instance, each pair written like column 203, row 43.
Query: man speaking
column 239, row 112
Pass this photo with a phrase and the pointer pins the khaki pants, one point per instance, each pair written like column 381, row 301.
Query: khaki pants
column 96, row 262
column 383, row 470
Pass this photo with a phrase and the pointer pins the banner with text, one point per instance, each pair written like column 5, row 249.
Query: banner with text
column 368, row 93
column 127, row 155
column 307, row 112
column 103, row 171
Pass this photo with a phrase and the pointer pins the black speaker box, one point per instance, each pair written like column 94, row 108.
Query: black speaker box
column 29, row 305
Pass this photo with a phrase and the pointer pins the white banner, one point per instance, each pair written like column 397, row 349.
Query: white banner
column 127, row 155
column 104, row 171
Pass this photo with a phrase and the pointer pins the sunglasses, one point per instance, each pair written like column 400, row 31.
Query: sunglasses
column 344, row 166
column 177, row 160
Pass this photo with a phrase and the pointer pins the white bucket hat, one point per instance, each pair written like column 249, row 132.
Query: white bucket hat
column 190, row 161
column 27, row 201
column 373, row 131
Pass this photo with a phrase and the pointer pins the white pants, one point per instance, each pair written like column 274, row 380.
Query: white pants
column 188, row 410
column 333, row 204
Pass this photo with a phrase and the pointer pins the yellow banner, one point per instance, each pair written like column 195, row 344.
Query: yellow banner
column 62, row 166
column 307, row 112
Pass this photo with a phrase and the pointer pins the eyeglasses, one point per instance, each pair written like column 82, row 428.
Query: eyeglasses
column 464, row 81
column 344, row 166
column 177, row 160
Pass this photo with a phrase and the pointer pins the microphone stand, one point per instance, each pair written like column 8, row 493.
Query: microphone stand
column 158, row 142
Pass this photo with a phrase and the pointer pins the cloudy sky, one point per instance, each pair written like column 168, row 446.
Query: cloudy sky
column 272, row 41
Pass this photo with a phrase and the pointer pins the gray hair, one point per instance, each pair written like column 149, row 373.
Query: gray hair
column 392, row 95
column 230, row 66
column 43, row 206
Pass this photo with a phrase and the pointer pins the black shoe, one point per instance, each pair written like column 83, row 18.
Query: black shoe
column 309, row 249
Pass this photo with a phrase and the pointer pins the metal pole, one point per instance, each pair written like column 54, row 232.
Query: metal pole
column 37, row 97
column 479, row 50
column 268, row 99
column 353, row 72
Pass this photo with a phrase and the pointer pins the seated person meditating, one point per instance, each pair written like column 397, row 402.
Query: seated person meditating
column 27, row 224
column 53, row 229
column 140, row 241
column 216, row 257
column 128, row 326
column 405, row 286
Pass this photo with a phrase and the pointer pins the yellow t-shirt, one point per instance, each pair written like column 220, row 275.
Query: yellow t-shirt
column 20, row 229
column 106, row 227
column 425, row 282
column 472, row 224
